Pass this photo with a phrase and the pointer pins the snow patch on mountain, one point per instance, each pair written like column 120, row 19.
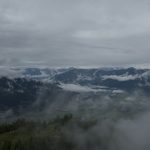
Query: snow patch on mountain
column 81, row 77
column 42, row 75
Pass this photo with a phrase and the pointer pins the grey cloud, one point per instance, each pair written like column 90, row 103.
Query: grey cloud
column 74, row 33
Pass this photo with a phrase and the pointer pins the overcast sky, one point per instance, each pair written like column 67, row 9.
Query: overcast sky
column 61, row 33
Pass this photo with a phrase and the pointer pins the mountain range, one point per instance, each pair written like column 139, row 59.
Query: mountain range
column 33, row 90
column 127, row 79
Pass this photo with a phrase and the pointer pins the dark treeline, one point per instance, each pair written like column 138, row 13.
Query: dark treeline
column 42, row 135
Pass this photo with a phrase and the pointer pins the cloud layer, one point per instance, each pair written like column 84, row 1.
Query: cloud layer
column 74, row 33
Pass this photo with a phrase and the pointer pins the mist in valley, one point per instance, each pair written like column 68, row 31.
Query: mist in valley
column 99, row 120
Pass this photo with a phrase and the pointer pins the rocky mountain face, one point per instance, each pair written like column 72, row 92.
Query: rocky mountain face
column 21, row 92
